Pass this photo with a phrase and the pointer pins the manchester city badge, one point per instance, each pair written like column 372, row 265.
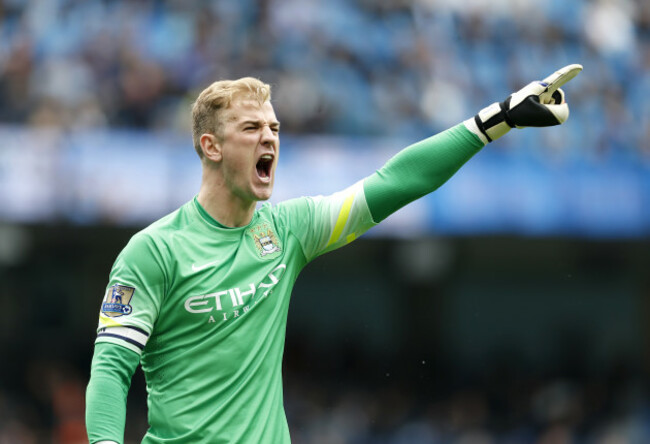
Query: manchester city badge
column 265, row 240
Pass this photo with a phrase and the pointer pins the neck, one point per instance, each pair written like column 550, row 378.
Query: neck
column 224, row 207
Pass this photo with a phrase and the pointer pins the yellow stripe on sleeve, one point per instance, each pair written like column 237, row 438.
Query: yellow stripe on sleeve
column 341, row 220
column 107, row 321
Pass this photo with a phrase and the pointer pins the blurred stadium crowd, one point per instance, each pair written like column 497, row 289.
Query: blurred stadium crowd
column 502, row 408
column 401, row 67
column 396, row 68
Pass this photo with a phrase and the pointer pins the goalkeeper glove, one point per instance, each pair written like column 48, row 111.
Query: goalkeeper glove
column 536, row 104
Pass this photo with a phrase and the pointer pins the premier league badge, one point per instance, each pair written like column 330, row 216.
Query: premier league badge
column 117, row 299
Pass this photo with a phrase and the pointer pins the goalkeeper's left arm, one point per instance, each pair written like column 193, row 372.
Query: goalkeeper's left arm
column 423, row 167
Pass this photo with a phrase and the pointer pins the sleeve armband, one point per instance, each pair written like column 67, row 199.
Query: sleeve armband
column 133, row 338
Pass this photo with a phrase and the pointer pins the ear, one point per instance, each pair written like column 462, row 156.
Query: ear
column 211, row 147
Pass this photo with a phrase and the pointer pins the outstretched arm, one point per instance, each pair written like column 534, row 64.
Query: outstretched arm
column 418, row 170
column 325, row 223
column 423, row 167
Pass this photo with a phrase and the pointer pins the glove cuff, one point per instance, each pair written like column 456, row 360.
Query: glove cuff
column 493, row 121
column 471, row 125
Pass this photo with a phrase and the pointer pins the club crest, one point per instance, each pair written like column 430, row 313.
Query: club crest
column 117, row 301
column 265, row 240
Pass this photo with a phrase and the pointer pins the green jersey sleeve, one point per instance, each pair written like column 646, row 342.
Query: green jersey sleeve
column 325, row 223
column 110, row 379
column 134, row 294
column 419, row 169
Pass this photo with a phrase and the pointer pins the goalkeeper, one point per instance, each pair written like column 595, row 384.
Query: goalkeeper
column 200, row 298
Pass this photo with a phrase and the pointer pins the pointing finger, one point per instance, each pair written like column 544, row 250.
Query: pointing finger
column 561, row 76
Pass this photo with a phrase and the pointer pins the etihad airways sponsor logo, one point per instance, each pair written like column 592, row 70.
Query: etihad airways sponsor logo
column 234, row 302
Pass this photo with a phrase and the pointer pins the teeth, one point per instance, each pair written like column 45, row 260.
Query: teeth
column 267, row 157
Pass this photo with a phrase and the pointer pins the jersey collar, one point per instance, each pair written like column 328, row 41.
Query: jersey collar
column 212, row 221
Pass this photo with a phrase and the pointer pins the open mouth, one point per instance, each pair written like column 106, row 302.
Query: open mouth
column 263, row 166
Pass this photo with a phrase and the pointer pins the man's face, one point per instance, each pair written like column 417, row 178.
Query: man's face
column 250, row 149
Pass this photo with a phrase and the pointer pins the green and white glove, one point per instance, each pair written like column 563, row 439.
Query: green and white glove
column 538, row 104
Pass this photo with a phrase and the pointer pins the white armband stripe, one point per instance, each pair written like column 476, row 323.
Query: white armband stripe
column 120, row 342
column 131, row 335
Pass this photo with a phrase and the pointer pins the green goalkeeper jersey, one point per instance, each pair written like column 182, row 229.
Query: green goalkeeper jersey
column 206, row 307
column 203, row 307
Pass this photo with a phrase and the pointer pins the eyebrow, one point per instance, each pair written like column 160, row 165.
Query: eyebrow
column 272, row 124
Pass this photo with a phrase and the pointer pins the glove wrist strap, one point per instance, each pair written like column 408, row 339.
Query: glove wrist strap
column 493, row 121
column 505, row 106
column 481, row 128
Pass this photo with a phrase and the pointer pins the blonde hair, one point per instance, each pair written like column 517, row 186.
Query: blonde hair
column 208, row 107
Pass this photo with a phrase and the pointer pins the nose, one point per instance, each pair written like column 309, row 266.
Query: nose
column 269, row 138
